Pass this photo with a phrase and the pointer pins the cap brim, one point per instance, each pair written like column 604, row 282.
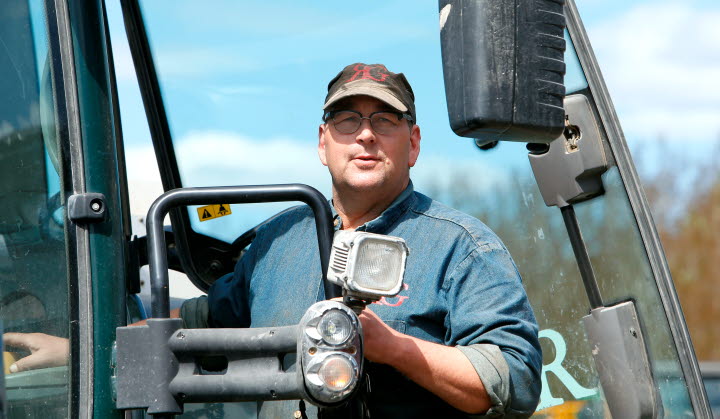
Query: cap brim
column 380, row 94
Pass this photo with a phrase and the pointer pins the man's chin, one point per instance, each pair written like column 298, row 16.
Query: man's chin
column 370, row 185
column 363, row 184
column 367, row 186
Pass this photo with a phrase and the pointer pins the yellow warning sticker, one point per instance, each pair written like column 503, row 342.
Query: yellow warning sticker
column 213, row 211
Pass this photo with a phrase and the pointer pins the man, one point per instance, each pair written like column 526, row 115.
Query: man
column 461, row 337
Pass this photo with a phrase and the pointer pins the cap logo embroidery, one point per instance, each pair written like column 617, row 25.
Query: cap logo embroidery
column 371, row 72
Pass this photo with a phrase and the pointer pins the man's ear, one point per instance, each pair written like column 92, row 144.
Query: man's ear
column 321, row 144
column 414, row 145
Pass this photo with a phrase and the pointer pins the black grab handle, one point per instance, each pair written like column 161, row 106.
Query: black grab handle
column 157, row 258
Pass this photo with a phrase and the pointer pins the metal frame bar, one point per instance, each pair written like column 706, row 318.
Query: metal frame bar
column 82, row 336
column 160, row 134
column 638, row 203
column 157, row 256
column 117, row 129
column 582, row 257
column 253, row 368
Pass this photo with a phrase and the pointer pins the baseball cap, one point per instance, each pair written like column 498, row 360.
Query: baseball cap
column 373, row 80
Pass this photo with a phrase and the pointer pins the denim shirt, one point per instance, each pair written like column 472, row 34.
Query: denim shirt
column 461, row 289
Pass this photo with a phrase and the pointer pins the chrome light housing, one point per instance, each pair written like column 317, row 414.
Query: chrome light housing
column 367, row 265
column 330, row 352
column 335, row 327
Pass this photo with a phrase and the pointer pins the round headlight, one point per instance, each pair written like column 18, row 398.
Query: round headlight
column 336, row 372
column 335, row 327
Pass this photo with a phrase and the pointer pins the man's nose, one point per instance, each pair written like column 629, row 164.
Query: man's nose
column 365, row 133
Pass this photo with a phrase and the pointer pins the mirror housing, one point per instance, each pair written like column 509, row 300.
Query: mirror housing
column 503, row 63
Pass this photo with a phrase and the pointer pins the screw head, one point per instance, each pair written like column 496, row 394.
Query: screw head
column 96, row 205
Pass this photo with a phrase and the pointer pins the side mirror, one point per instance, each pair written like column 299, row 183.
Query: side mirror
column 503, row 67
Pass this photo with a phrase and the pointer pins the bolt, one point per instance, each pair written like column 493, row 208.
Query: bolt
column 96, row 205
column 633, row 332
column 215, row 266
column 180, row 335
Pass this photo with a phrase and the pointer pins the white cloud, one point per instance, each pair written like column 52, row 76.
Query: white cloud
column 124, row 68
column 661, row 63
column 442, row 170
column 202, row 61
column 217, row 158
column 143, row 178
column 226, row 158
column 223, row 94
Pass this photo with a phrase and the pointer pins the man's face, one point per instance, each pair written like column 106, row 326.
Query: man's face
column 365, row 160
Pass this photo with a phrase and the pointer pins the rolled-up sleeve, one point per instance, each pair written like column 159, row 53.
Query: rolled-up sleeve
column 494, row 373
column 491, row 321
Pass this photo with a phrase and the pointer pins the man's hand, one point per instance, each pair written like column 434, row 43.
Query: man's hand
column 377, row 337
column 443, row 370
column 45, row 350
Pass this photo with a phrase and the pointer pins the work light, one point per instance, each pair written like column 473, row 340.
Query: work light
column 330, row 352
column 335, row 327
column 367, row 265
column 337, row 371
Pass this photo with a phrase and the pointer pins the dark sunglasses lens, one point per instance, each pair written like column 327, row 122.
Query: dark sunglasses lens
column 347, row 122
column 384, row 122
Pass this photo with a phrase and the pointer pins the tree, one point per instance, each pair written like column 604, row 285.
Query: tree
column 684, row 197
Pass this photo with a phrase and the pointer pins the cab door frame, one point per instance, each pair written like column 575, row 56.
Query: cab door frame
column 68, row 118
column 641, row 209
column 89, row 133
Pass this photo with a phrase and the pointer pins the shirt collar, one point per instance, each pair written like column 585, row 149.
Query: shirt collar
column 387, row 218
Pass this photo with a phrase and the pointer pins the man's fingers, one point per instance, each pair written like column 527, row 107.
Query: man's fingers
column 30, row 362
column 18, row 340
column 47, row 351
column 40, row 359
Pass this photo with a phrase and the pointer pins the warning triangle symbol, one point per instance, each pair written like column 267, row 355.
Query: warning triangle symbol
column 206, row 214
column 222, row 209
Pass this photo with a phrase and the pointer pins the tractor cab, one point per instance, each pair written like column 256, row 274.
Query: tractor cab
column 143, row 142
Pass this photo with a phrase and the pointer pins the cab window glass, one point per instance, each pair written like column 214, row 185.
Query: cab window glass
column 244, row 92
column 33, row 269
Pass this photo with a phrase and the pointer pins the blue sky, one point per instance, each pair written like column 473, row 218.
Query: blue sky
column 249, row 79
